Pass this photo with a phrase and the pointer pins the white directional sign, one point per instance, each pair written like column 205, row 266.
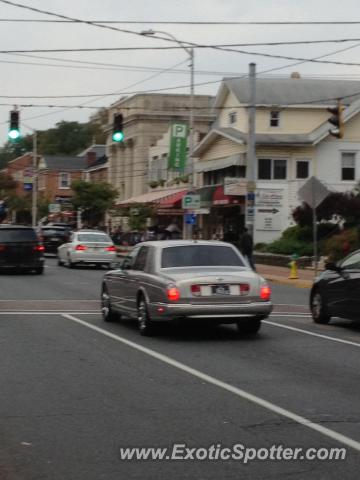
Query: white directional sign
column 269, row 209
column 54, row 208
column 191, row 201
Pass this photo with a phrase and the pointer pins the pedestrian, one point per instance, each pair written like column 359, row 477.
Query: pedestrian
column 172, row 231
column 247, row 246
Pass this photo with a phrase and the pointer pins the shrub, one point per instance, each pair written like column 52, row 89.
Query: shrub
column 338, row 246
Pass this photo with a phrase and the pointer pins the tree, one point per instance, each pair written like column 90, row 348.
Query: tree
column 94, row 199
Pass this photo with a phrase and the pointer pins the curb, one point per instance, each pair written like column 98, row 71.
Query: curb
column 285, row 281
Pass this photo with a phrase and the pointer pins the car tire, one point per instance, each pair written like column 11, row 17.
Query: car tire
column 60, row 263
column 249, row 325
column 39, row 270
column 70, row 264
column 146, row 326
column 108, row 314
column 318, row 307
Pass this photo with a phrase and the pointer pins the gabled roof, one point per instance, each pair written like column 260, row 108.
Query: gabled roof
column 290, row 91
column 99, row 163
column 66, row 163
column 100, row 150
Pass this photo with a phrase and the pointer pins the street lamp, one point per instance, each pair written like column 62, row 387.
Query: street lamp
column 190, row 52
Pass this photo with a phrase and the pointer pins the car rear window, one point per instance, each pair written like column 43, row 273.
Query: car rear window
column 93, row 237
column 20, row 235
column 200, row 256
column 54, row 231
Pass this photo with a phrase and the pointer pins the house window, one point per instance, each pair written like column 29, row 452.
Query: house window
column 302, row 169
column 348, row 166
column 232, row 118
column 274, row 118
column 64, row 180
column 270, row 169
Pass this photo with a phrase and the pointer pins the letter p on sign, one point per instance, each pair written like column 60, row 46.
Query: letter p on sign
column 179, row 130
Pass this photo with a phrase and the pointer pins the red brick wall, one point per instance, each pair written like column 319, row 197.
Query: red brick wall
column 50, row 181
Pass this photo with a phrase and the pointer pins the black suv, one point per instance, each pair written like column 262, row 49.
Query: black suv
column 20, row 248
column 53, row 237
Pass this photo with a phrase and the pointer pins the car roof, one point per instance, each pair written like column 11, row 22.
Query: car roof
column 183, row 243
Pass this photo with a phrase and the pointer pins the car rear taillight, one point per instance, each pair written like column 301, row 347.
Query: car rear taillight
column 196, row 290
column 173, row 293
column 80, row 248
column 39, row 248
column 244, row 288
column 111, row 249
column 2, row 248
column 265, row 292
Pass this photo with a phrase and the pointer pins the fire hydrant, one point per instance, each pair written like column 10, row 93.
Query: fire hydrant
column 293, row 267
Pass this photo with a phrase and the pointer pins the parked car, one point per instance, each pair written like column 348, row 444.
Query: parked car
column 185, row 279
column 336, row 291
column 53, row 237
column 87, row 247
column 21, row 249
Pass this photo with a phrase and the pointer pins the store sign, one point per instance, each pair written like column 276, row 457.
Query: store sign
column 178, row 144
column 269, row 209
column 235, row 186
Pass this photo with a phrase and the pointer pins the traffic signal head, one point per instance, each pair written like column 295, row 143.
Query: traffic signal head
column 337, row 120
column 14, row 129
column 118, row 134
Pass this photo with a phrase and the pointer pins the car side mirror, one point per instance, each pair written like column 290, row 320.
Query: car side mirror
column 334, row 267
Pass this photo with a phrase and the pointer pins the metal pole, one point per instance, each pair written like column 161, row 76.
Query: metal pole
column 35, row 178
column 191, row 132
column 251, row 153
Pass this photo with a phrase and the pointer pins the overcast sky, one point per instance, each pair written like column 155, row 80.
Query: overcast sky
column 19, row 79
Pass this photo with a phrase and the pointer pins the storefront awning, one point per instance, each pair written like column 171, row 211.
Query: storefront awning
column 219, row 163
column 151, row 197
column 171, row 200
column 219, row 198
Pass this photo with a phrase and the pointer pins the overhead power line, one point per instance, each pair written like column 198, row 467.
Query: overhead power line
column 187, row 22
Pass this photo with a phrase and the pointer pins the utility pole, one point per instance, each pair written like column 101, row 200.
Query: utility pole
column 35, row 181
column 189, row 233
column 251, row 153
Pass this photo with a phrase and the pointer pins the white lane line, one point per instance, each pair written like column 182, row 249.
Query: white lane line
column 285, row 314
column 225, row 386
column 48, row 312
column 300, row 330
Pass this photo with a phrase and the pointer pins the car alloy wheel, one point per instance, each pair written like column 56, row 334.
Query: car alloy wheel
column 318, row 309
column 108, row 313
column 146, row 326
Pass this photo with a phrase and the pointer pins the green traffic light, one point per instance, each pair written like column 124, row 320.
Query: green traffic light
column 118, row 136
column 14, row 134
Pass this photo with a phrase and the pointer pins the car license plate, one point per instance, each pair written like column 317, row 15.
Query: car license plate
column 54, row 239
column 220, row 289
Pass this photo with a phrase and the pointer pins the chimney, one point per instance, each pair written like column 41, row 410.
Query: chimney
column 90, row 158
column 295, row 75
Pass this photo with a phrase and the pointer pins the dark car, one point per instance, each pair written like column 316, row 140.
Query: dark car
column 53, row 237
column 20, row 248
column 336, row 292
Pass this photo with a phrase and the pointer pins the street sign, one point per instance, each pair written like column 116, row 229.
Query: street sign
column 54, row 208
column 269, row 209
column 191, row 201
column 190, row 218
column 313, row 192
column 178, row 144
column 28, row 187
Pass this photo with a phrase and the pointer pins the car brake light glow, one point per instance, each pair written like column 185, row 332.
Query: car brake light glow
column 80, row 248
column 196, row 290
column 111, row 249
column 173, row 294
column 265, row 292
column 39, row 248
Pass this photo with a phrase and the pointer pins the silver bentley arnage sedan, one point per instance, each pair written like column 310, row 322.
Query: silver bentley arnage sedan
column 162, row 281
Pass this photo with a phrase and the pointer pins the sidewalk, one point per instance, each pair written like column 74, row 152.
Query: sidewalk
column 281, row 275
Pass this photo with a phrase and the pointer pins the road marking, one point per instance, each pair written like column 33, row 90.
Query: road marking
column 48, row 312
column 225, row 386
column 285, row 314
column 326, row 337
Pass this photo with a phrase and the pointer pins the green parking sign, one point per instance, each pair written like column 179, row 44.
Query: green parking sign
column 178, row 144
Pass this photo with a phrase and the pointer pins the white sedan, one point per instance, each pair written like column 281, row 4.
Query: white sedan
column 87, row 247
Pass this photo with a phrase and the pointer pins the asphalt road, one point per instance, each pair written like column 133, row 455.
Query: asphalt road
column 75, row 390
